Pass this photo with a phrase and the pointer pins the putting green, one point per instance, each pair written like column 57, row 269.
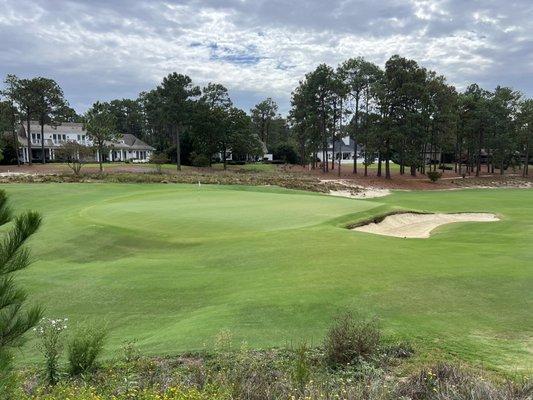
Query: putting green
column 172, row 265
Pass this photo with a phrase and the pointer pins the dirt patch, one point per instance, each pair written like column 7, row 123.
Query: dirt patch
column 414, row 225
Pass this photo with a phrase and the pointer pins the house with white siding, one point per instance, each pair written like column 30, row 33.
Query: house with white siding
column 126, row 148
column 344, row 149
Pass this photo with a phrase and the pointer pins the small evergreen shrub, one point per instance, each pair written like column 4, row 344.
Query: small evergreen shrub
column 199, row 160
column 84, row 347
column 158, row 159
column 434, row 176
column 350, row 340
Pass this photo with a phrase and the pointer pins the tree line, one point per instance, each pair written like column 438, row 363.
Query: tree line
column 409, row 115
column 402, row 113
column 186, row 123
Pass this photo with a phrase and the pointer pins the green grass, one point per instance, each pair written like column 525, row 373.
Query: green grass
column 172, row 265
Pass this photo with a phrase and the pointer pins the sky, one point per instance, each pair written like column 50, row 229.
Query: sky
column 103, row 50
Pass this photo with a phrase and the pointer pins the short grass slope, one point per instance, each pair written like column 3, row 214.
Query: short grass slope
column 173, row 265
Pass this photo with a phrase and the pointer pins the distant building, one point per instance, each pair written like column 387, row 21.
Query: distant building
column 344, row 149
column 127, row 147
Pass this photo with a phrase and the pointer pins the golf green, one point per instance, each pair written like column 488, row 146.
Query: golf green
column 173, row 265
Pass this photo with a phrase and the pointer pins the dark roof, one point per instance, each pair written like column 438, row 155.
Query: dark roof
column 344, row 147
column 135, row 143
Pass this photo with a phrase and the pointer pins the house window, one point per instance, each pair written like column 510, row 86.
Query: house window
column 64, row 137
column 79, row 138
column 345, row 156
column 83, row 137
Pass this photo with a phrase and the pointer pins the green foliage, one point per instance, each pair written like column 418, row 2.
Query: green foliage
column 51, row 344
column 15, row 318
column 158, row 159
column 130, row 351
column 268, row 375
column 285, row 152
column 8, row 380
column 301, row 368
column 350, row 340
column 200, row 160
column 100, row 124
column 263, row 114
column 84, row 348
column 74, row 155
column 434, row 176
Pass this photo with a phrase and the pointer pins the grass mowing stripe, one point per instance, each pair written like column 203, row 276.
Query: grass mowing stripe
column 172, row 265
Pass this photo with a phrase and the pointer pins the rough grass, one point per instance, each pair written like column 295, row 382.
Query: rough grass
column 244, row 374
column 172, row 265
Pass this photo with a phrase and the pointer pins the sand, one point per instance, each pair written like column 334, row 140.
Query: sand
column 362, row 193
column 354, row 191
column 411, row 225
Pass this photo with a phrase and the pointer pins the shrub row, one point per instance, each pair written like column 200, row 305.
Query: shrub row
column 353, row 363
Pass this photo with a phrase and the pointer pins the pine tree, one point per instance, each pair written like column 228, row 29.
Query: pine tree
column 15, row 319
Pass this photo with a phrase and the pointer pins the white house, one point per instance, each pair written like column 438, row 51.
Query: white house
column 344, row 149
column 127, row 147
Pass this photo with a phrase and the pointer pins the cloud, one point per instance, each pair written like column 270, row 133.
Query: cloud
column 100, row 50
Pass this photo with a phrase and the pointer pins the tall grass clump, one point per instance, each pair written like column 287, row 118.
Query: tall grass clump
column 301, row 368
column 84, row 348
column 350, row 340
column 51, row 344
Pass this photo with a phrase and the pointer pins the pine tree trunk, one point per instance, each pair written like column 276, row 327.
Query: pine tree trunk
column 365, row 155
column 333, row 153
column 28, row 135
column 387, row 161
column 340, row 142
column 178, row 149
column 100, row 156
column 479, row 145
column 526, row 163
column 224, row 157
column 16, row 142
column 356, row 132
column 402, row 168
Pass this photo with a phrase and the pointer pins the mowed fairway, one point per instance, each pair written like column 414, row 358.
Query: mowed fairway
column 173, row 265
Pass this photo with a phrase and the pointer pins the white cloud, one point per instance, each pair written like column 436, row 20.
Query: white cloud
column 100, row 50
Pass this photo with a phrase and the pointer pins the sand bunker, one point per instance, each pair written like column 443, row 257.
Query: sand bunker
column 353, row 191
column 411, row 225
column 363, row 193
